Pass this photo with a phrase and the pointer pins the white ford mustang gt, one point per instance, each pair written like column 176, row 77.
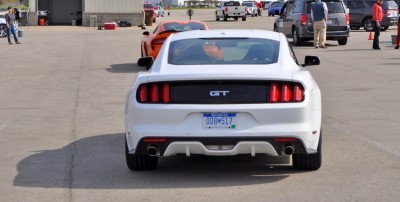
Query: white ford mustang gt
column 223, row 93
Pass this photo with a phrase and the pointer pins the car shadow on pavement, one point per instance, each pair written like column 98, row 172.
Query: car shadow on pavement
column 99, row 163
column 125, row 68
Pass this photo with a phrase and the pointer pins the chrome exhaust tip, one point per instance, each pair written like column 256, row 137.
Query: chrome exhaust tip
column 288, row 149
column 153, row 150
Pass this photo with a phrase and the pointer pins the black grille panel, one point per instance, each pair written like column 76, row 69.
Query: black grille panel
column 220, row 92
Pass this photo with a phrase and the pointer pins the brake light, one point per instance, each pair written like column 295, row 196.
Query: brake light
column 288, row 139
column 274, row 93
column 158, row 42
column 303, row 19
column 286, row 92
column 152, row 140
column 154, row 93
column 226, row 9
column 347, row 19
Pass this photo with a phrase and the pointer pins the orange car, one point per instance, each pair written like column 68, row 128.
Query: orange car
column 152, row 43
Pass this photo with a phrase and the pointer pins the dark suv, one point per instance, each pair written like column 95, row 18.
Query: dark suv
column 361, row 14
column 295, row 21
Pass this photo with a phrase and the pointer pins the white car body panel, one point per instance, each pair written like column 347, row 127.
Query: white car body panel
column 300, row 120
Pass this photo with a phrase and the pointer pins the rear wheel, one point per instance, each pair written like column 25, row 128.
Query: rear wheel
column 342, row 41
column 367, row 24
column 140, row 162
column 244, row 18
column 296, row 39
column 3, row 30
column 308, row 161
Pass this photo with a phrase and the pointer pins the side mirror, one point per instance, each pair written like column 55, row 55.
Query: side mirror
column 145, row 62
column 311, row 60
column 146, row 33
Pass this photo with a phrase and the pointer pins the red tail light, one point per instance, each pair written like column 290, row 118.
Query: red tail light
column 347, row 19
column 286, row 92
column 143, row 93
column 226, row 9
column 274, row 93
column 154, row 93
column 165, row 93
column 157, row 42
column 303, row 19
column 298, row 93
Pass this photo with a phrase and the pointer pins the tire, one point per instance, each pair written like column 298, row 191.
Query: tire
column 3, row 30
column 342, row 41
column 308, row 161
column 384, row 28
column 354, row 28
column 216, row 18
column 236, row 18
column 244, row 18
column 296, row 39
column 252, row 14
column 367, row 24
column 140, row 162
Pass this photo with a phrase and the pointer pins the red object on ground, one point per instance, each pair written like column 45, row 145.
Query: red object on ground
column 42, row 22
column 110, row 25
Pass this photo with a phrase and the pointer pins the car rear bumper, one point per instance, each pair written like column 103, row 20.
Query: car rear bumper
column 304, row 33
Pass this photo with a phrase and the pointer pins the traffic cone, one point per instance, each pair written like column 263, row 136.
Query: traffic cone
column 371, row 37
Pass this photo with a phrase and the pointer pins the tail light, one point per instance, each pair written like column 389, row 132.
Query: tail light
column 286, row 92
column 157, row 42
column 226, row 9
column 154, row 93
column 347, row 19
column 303, row 19
column 246, row 9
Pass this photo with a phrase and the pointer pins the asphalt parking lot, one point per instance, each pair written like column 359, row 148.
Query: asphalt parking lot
column 62, row 96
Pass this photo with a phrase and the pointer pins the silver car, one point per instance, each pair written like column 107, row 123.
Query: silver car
column 295, row 21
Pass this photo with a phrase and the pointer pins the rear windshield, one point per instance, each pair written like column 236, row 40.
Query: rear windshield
column 277, row 4
column 147, row 5
column 333, row 6
column 392, row 4
column 232, row 3
column 248, row 4
column 223, row 51
column 183, row 27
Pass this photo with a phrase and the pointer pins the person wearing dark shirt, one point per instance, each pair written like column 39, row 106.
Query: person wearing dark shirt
column 10, row 20
column 377, row 16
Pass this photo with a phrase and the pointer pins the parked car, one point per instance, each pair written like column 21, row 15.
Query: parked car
column 267, row 4
column 275, row 7
column 3, row 26
column 230, row 9
column 152, row 43
column 361, row 14
column 251, row 8
column 160, row 11
column 295, row 21
column 255, row 99
column 148, row 7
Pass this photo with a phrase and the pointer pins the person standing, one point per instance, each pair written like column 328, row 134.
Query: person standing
column 377, row 16
column 10, row 20
column 319, row 15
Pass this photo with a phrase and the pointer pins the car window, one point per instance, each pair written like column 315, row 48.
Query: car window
column 248, row 4
column 299, row 6
column 289, row 8
column 232, row 3
column 277, row 4
column 354, row 4
column 333, row 6
column 183, row 27
column 370, row 3
column 223, row 51
column 391, row 4
column 147, row 5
